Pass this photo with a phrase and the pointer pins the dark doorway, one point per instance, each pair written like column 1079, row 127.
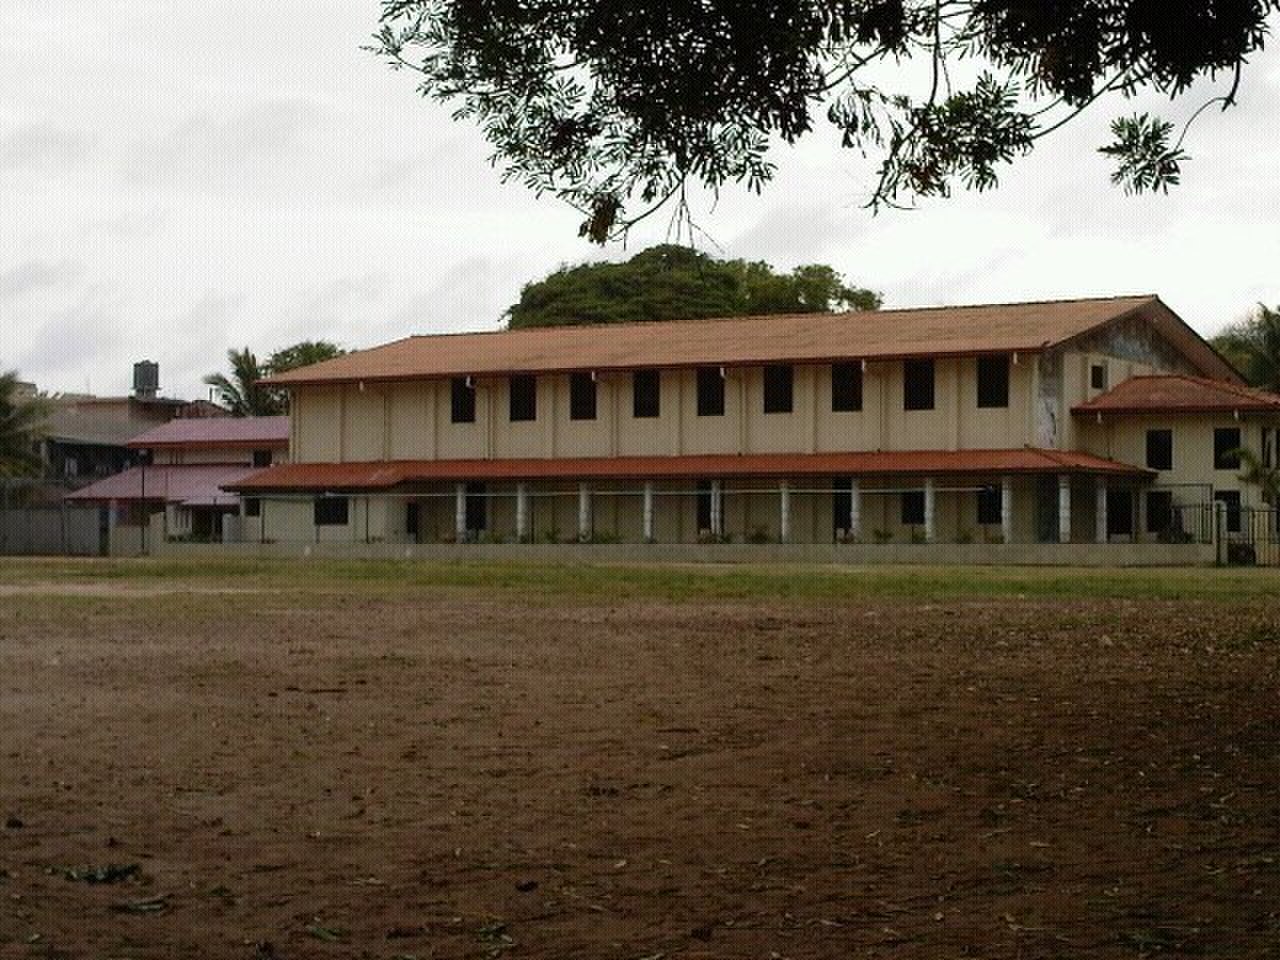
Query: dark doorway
column 1047, row 509
column 477, row 508
column 1119, row 513
column 704, row 506
column 413, row 520
column 841, row 505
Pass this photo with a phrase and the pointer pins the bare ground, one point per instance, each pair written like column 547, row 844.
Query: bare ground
column 460, row 773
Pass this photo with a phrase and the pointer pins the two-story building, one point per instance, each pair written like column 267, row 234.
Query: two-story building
column 1034, row 422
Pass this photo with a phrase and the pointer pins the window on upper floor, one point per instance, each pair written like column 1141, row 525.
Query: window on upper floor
column 262, row 458
column 917, row 385
column 846, row 387
column 1098, row 376
column 912, row 508
column 522, row 402
column 462, row 400
column 646, row 394
column 710, row 392
column 779, row 388
column 1160, row 449
column 993, row 381
column 331, row 511
column 1226, row 448
column 990, row 505
column 582, row 396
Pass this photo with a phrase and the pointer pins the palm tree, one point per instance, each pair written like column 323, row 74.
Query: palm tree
column 22, row 422
column 241, row 393
column 1253, row 346
column 1264, row 477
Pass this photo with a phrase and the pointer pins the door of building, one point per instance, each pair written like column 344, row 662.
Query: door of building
column 477, row 508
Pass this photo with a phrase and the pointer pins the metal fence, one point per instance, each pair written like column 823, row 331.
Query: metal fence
column 51, row 530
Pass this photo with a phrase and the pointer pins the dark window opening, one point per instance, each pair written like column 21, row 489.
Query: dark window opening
column 1160, row 511
column 582, row 396
column 477, row 508
column 463, row 400
column 846, row 387
column 1119, row 513
column 842, row 504
column 1232, row 500
column 523, row 398
column 993, row 381
column 262, row 458
column 913, row 508
column 331, row 511
column 710, row 392
column 646, row 394
column 779, row 388
column 1160, row 449
column 704, row 505
column 917, row 385
column 1098, row 376
column 990, row 505
column 252, row 507
column 1226, row 448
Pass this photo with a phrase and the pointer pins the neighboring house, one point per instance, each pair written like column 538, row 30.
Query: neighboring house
column 177, row 485
column 1033, row 422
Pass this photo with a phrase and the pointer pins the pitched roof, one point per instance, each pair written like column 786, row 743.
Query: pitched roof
column 187, row 484
column 386, row 474
column 216, row 432
column 1179, row 393
column 882, row 334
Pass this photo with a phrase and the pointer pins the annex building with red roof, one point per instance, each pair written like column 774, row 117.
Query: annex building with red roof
column 1095, row 421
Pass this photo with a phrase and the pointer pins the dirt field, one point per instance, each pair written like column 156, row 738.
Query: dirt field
column 310, row 764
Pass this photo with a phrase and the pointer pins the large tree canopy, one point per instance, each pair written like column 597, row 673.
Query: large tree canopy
column 242, row 394
column 616, row 107
column 676, row 283
column 1253, row 347
column 22, row 421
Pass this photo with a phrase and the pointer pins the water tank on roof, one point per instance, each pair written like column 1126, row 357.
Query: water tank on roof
column 146, row 379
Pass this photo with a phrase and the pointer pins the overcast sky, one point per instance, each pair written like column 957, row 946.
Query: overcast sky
column 179, row 178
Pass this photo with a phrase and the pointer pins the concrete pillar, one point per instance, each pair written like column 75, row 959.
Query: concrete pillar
column 1100, row 509
column 930, row 510
column 717, row 509
column 649, row 535
column 855, row 510
column 1064, row 508
column 522, row 512
column 1006, row 509
column 460, row 512
column 784, row 507
column 584, row 512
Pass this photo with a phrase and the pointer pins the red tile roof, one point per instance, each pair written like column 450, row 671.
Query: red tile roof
column 187, row 484
column 883, row 334
column 1178, row 393
column 386, row 474
column 207, row 432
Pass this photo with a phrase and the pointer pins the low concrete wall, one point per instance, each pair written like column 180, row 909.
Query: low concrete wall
column 1017, row 554
column 62, row 530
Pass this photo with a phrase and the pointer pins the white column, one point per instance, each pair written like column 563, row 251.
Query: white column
column 522, row 511
column 648, row 512
column 1064, row 508
column 460, row 512
column 930, row 509
column 855, row 510
column 717, row 509
column 1006, row 509
column 584, row 512
column 1100, row 509
column 784, row 507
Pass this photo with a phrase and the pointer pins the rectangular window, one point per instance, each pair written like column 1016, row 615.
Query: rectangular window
column 646, row 394
column 1160, row 512
column 917, row 385
column 1232, row 499
column 1098, row 376
column 331, row 511
column 710, row 392
column 912, row 508
column 262, row 458
column 993, row 381
column 462, row 400
column 1226, row 448
column 1160, row 449
column 252, row 507
column 846, row 387
column 990, row 505
column 779, row 383
column 522, row 398
column 582, row 396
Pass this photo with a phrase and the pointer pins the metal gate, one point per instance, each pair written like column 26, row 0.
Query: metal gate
column 1260, row 534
